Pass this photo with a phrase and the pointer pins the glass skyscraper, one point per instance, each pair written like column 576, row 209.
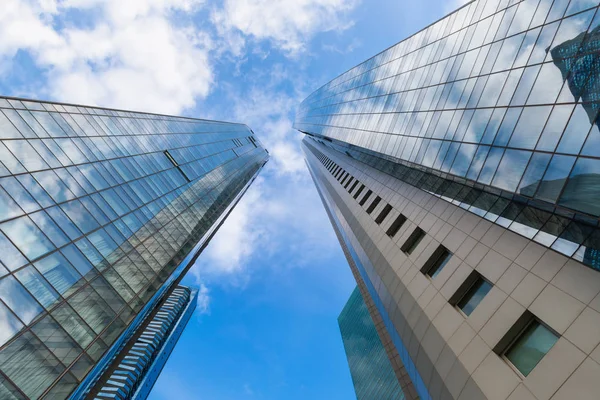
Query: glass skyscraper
column 372, row 373
column 461, row 170
column 101, row 214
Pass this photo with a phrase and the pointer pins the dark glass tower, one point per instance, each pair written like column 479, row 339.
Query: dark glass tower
column 101, row 214
column 461, row 171
column 372, row 373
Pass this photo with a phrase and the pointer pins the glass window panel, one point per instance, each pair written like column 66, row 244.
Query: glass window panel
column 14, row 295
column 54, row 186
column 7, row 390
column 28, row 363
column 56, row 339
column 529, row 127
column 35, row 190
column 7, row 129
column 511, row 169
column 11, row 257
column 108, row 293
column 19, row 194
column 8, row 208
column 73, row 151
column 540, row 51
column 26, row 154
column 533, row 175
column 64, row 222
column 63, row 388
column 73, row 324
column 19, row 123
column 577, row 130
column 105, row 245
column 38, row 286
column 32, row 122
column 27, row 237
column 9, row 161
column 555, row 178
column 52, row 231
column 531, row 347
column 95, row 312
column 82, row 367
column 60, row 273
column 554, row 128
column 583, row 188
column 508, row 125
column 46, row 120
column 79, row 261
column 547, row 86
column 80, row 216
column 474, row 296
column 491, row 163
column 525, row 85
column 91, row 253
column 9, row 325
column 465, row 155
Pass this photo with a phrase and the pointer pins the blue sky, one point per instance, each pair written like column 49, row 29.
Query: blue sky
column 274, row 279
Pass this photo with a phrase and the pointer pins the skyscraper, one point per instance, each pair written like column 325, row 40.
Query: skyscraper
column 372, row 373
column 101, row 214
column 460, row 169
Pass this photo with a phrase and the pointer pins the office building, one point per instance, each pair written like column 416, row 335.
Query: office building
column 101, row 214
column 461, row 171
column 372, row 374
column 136, row 367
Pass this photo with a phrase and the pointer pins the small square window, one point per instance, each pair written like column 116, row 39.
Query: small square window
column 364, row 199
column 474, row 295
column 436, row 262
column 374, row 204
column 413, row 241
column 531, row 346
column 383, row 214
column 359, row 191
column 396, row 225
column 349, row 182
column 353, row 187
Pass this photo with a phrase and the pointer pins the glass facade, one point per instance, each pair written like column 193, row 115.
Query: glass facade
column 372, row 373
column 98, row 209
column 493, row 107
column 137, row 369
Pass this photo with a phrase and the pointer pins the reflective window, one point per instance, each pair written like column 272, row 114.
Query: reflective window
column 583, row 188
column 474, row 296
column 531, row 346
column 14, row 295
column 27, row 237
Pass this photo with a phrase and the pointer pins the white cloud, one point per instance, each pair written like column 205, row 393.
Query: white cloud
column 203, row 303
column 289, row 24
column 139, row 54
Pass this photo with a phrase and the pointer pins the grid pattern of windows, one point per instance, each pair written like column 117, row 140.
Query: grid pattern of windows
column 503, row 95
column 97, row 209
column 372, row 373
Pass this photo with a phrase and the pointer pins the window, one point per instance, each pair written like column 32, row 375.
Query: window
column 413, row 241
column 359, row 191
column 374, row 204
column 470, row 293
column 176, row 164
column 353, row 186
column 384, row 213
column 436, row 262
column 396, row 225
column 526, row 343
column 364, row 199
